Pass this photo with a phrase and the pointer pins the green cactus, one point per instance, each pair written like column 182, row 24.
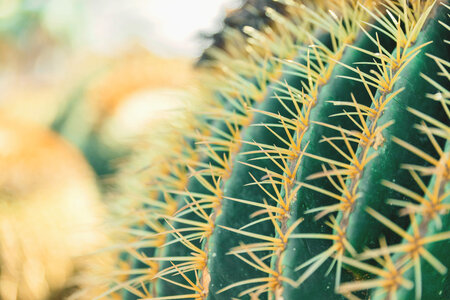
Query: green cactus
column 320, row 168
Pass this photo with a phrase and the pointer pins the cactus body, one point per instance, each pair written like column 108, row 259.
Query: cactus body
column 321, row 166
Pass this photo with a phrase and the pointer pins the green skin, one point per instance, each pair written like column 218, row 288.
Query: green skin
column 148, row 251
column 226, row 269
column 298, row 251
column 364, row 231
column 138, row 264
column 434, row 285
column 194, row 186
column 164, row 288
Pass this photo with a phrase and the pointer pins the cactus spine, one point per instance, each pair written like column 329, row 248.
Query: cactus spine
column 320, row 169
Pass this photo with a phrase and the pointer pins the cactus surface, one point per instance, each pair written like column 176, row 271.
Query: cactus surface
column 318, row 168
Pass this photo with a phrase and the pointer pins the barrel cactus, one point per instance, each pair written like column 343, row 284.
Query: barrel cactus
column 316, row 165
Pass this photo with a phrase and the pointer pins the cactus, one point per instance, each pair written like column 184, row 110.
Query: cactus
column 318, row 168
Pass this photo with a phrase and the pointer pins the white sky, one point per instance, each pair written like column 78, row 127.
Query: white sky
column 166, row 27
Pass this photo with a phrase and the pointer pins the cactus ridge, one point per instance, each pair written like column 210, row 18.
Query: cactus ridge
column 346, row 176
column 319, row 167
column 216, row 145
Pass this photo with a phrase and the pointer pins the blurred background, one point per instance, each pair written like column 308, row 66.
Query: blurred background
column 80, row 81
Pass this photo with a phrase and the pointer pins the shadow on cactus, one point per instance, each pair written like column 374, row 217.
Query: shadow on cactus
column 319, row 168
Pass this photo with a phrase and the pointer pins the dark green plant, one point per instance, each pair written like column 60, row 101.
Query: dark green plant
column 322, row 169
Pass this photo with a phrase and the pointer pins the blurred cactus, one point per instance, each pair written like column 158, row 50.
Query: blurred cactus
column 49, row 213
column 98, row 101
